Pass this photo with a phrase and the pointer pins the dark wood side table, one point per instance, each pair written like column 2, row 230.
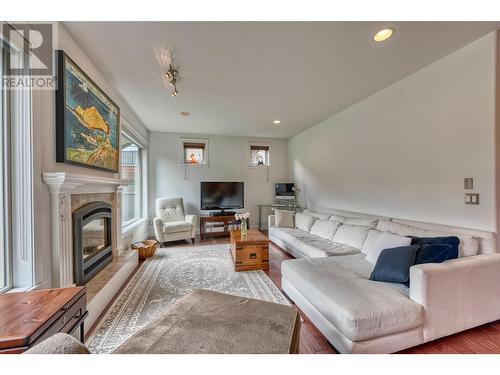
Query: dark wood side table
column 28, row 318
column 225, row 220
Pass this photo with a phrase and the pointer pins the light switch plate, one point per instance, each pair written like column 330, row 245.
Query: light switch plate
column 471, row 198
column 468, row 183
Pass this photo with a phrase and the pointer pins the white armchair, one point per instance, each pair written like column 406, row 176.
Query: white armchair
column 170, row 223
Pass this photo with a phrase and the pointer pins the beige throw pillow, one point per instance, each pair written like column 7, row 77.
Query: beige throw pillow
column 386, row 240
column 351, row 235
column 324, row 228
column 304, row 222
column 317, row 215
column 284, row 219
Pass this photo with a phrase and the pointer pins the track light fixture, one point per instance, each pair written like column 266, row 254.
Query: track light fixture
column 171, row 75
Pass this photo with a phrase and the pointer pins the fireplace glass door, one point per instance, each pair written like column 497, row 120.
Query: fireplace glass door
column 92, row 243
column 94, row 238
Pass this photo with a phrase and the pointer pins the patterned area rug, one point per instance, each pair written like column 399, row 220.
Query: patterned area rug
column 168, row 276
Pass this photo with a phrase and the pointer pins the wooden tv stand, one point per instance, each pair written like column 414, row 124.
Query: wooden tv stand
column 205, row 222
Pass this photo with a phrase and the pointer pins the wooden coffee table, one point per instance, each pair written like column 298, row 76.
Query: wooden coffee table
column 250, row 252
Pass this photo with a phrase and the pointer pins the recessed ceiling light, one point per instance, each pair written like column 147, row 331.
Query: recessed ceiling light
column 384, row 34
column 276, row 122
column 185, row 114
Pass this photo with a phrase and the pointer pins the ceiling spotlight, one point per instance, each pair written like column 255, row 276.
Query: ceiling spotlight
column 384, row 34
column 171, row 75
column 171, row 72
column 276, row 122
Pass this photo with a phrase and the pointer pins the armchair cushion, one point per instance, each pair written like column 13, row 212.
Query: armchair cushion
column 170, row 209
column 177, row 226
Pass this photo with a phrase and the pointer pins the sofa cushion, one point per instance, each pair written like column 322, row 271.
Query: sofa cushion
column 324, row 228
column 351, row 235
column 387, row 240
column 336, row 248
column 317, row 215
column 436, row 253
column 358, row 264
column 308, row 245
column 372, row 237
column 177, row 226
column 393, row 265
column 398, row 228
column 284, row 218
column 304, row 222
column 469, row 245
column 337, row 218
column 359, row 308
column 453, row 241
column 365, row 222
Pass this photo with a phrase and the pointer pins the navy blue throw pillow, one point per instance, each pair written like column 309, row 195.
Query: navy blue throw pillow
column 393, row 265
column 451, row 240
column 435, row 253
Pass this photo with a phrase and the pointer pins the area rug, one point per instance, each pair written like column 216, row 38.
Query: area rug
column 170, row 275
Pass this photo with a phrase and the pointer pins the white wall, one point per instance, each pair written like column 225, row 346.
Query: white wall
column 404, row 151
column 45, row 158
column 228, row 161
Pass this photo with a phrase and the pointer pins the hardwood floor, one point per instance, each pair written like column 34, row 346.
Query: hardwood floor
column 481, row 340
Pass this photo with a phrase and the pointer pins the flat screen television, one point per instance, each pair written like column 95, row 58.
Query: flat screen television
column 284, row 190
column 222, row 195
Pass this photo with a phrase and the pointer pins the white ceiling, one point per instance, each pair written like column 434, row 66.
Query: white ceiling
column 237, row 77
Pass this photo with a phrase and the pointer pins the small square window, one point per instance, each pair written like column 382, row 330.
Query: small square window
column 193, row 152
column 259, row 156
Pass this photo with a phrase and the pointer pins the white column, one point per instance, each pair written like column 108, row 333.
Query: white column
column 117, row 228
column 66, row 239
column 61, row 234
column 55, row 250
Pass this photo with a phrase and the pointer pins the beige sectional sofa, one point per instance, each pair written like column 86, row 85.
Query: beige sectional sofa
column 330, row 282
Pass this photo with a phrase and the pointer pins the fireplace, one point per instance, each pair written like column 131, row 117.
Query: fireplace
column 92, row 247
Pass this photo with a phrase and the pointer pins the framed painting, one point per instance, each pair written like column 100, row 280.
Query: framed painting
column 87, row 120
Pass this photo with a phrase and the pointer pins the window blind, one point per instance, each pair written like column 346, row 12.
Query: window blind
column 260, row 148
column 194, row 145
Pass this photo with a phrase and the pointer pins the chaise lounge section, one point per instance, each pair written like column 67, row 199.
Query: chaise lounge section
column 358, row 315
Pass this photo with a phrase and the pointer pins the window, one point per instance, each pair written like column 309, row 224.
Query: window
column 194, row 151
column 16, row 175
column 260, row 155
column 132, row 170
column 4, row 116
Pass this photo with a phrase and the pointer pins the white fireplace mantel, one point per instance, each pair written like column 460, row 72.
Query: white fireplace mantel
column 62, row 181
column 62, row 185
